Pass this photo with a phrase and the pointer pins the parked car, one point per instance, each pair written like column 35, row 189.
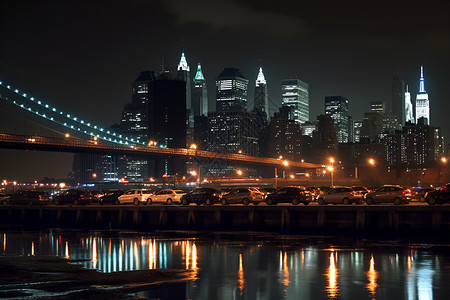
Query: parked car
column 360, row 191
column 340, row 195
column 135, row 196
column 266, row 191
column 242, row 195
column 27, row 198
column 167, row 196
column 440, row 196
column 419, row 193
column 294, row 195
column 111, row 197
column 74, row 197
column 389, row 194
column 202, row 195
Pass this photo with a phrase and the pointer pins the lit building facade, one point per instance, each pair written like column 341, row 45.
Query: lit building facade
column 233, row 131
column 231, row 90
column 261, row 99
column 409, row 109
column 295, row 94
column 285, row 137
column 199, row 94
column 422, row 101
column 337, row 108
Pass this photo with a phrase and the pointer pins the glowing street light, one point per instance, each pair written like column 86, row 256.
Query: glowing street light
column 444, row 160
column 330, row 168
column 193, row 146
column 239, row 172
column 371, row 161
column 67, row 135
column 285, row 163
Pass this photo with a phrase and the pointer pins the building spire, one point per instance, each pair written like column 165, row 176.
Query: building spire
column 199, row 75
column 422, row 81
column 183, row 63
column 260, row 79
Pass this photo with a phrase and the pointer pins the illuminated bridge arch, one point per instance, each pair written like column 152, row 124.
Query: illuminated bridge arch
column 66, row 120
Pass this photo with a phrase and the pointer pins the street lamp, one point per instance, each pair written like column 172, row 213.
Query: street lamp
column 443, row 162
column 371, row 161
column 330, row 168
column 239, row 172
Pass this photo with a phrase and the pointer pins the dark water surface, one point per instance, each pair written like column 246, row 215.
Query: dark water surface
column 254, row 265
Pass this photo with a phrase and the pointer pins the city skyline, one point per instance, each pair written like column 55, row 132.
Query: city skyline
column 85, row 66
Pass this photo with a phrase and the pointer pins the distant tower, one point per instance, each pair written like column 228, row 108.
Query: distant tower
column 337, row 108
column 261, row 96
column 398, row 99
column 295, row 94
column 183, row 73
column 422, row 101
column 231, row 90
column 409, row 113
column 199, row 94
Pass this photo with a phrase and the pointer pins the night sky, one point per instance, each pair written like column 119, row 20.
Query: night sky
column 82, row 56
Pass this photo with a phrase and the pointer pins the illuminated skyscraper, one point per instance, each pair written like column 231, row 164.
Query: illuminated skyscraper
column 231, row 90
column 261, row 97
column 409, row 112
column 337, row 108
column 422, row 101
column 295, row 94
column 184, row 74
column 199, row 94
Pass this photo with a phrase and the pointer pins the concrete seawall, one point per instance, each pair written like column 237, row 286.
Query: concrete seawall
column 409, row 220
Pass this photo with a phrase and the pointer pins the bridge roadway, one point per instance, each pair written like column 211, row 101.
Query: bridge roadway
column 415, row 219
column 29, row 142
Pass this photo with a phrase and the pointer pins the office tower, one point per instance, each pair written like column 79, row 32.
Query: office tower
column 261, row 103
column 357, row 131
column 378, row 107
column 309, row 127
column 233, row 131
column 285, row 136
column 295, row 94
column 183, row 74
column 231, row 90
column 409, row 110
column 135, row 120
column 422, row 101
column 429, row 146
column 372, row 125
column 168, row 121
column 199, row 94
column 337, row 108
column 398, row 99
column 401, row 149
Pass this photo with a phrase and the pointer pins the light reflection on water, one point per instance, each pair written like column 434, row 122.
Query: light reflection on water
column 245, row 270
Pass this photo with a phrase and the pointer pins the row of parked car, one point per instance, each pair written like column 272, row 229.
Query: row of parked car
column 242, row 195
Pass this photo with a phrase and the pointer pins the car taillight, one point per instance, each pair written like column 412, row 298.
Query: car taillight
column 214, row 194
column 407, row 191
column 81, row 196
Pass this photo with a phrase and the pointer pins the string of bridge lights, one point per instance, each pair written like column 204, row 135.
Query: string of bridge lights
column 107, row 134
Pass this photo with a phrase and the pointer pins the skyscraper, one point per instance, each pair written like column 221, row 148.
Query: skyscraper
column 199, row 94
column 398, row 99
column 261, row 103
column 183, row 73
column 409, row 112
column 422, row 101
column 295, row 94
column 337, row 108
column 231, row 90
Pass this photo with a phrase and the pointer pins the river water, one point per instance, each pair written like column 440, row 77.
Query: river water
column 254, row 265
